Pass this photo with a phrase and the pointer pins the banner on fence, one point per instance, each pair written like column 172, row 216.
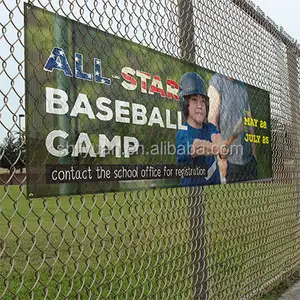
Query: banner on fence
column 106, row 114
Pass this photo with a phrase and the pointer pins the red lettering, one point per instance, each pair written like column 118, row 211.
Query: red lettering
column 156, row 86
column 172, row 89
column 129, row 79
column 144, row 76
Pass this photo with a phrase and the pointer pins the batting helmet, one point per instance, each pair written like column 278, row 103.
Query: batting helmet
column 191, row 84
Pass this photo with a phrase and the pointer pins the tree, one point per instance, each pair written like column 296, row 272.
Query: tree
column 13, row 153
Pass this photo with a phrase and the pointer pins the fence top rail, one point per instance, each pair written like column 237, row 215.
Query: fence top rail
column 267, row 23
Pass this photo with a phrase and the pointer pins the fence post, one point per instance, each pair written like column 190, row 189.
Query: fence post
column 62, row 82
column 186, row 30
column 195, row 199
column 294, row 98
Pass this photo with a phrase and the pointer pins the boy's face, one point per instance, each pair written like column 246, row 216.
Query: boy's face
column 197, row 110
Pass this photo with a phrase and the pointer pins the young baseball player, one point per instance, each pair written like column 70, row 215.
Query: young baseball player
column 201, row 142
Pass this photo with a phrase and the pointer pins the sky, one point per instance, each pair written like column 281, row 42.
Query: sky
column 284, row 13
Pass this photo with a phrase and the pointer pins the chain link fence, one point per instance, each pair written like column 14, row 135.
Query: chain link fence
column 232, row 241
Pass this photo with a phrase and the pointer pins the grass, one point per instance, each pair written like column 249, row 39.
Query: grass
column 104, row 245
column 276, row 292
column 253, row 236
column 136, row 245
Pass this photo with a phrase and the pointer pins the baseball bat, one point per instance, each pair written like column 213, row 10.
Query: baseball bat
column 237, row 130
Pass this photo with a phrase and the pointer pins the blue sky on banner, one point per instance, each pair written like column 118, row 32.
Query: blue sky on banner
column 12, row 99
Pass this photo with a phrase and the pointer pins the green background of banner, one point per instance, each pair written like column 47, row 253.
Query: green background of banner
column 43, row 32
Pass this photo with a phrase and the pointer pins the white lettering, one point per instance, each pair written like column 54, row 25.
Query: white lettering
column 179, row 118
column 155, row 117
column 168, row 120
column 139, row 112
column 83, row 145
column 110, row 145
column 50, row 140
column 86, row 109
column 121, row 111
column 131, row 145
column 108, row 112
column 56, row 101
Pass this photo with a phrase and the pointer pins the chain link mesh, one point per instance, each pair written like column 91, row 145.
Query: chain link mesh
column 219, row 242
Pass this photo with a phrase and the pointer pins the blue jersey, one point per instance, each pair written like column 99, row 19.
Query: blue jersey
column 184, row 141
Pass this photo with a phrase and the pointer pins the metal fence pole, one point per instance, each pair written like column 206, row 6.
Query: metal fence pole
column 196, row 199
column 62, row 82
column 186, row 30
column 294, row 98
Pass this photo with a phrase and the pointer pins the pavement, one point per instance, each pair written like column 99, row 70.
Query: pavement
column 293, row 293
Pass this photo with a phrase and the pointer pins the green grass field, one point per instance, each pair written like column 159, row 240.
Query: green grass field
column 136, row 245
column 104, row 245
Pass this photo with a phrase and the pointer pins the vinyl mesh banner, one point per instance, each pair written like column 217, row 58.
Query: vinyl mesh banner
column 105, row 114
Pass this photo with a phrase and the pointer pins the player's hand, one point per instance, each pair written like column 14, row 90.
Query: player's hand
column 223, row 166
column 220, row 146
column 203, row 147
column 224, row 149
